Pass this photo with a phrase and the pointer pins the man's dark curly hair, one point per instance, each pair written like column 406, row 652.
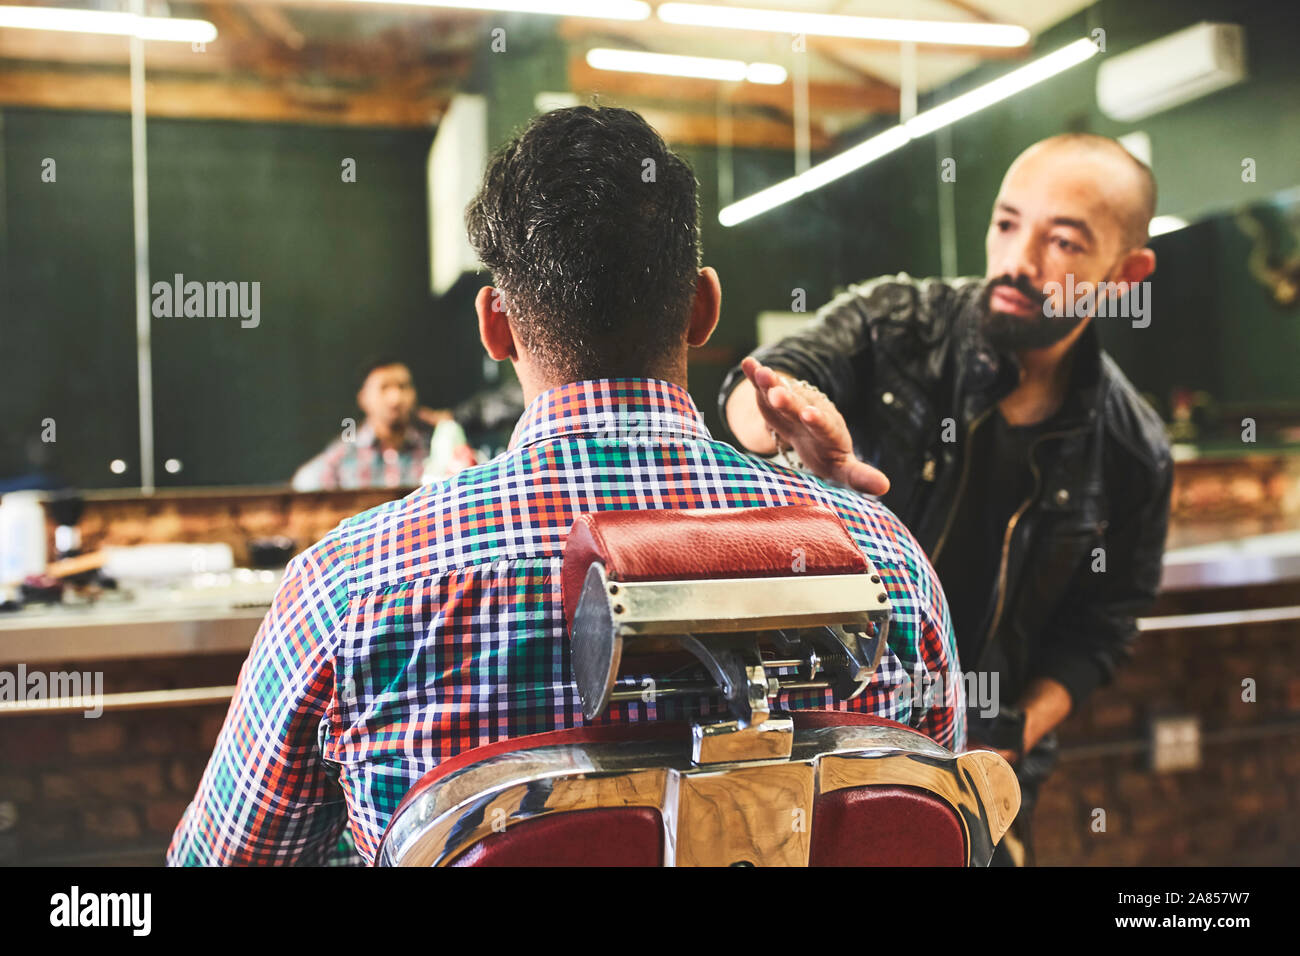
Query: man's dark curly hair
column 589, row 225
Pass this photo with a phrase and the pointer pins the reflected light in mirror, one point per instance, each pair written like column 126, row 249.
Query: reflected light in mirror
column 700, row 67
column 840, row 25
column 895, row 137
column 105, row 22
column 1163, row 224
column 596, row 9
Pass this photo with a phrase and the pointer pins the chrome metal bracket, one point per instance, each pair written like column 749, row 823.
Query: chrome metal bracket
column 728, row 741
column 835, row 625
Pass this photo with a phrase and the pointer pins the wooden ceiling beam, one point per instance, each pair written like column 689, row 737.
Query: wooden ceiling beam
column 181, row 98
column 273, row 21
column 835, row 55
column 263, row 56
column 968, row 7
column 747, row 132
column 230, row 21
column 199, row 99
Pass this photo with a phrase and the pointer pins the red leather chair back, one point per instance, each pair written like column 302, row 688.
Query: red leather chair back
column 819, row 788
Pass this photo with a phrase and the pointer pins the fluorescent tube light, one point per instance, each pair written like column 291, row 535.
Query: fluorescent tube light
column 597, row 9
column 815, row 177
column 897, row 136
column 701, row 67
column 1003, row 87
column 839, row 25
column 1163, row 224
column 107, row 22
column 771, row 74
column 856, row 157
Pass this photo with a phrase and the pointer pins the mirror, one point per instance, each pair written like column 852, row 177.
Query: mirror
column 287, row 166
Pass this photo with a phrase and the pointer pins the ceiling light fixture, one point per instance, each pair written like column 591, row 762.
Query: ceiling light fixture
column 595, row 9
column 699, row 67
column 1160, row 225
column 109, row 23
column 897, row 136
column 840, row 25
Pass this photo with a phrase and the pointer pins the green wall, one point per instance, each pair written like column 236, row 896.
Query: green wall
column 343, row 269
column 67, row 329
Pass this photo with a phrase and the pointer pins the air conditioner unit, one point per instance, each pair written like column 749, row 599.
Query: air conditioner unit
column 1171, row 71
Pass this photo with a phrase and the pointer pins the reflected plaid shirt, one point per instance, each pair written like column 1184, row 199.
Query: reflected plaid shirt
column 364, row 463
column 434, row 624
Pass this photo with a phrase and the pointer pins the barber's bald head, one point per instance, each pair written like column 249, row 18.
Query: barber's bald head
column 1073, row 207
column 1126, row 181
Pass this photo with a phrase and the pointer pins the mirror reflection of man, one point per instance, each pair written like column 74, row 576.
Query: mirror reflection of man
column 1023, row 460
column 387, row 450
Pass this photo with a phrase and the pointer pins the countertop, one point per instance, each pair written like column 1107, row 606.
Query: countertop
column 215, row 614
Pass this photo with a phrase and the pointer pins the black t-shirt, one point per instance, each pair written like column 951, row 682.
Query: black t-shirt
column 998, row 481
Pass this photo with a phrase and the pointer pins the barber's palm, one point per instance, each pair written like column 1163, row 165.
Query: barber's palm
column 812, row 424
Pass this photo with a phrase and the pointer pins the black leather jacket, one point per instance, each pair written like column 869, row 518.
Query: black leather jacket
column 898, row 356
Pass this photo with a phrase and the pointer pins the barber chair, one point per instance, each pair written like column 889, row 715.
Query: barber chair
column 761, row 602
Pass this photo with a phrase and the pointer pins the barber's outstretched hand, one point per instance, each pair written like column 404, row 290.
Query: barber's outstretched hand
column 808, row 421
column 433, row 416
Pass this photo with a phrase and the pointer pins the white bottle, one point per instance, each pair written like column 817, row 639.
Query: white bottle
column 22, row 536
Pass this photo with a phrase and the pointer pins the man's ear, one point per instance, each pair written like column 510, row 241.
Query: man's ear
column 1136, row 266
column 493, row 324
column 706, row 306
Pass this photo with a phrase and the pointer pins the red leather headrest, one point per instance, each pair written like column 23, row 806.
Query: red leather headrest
column 668, row 545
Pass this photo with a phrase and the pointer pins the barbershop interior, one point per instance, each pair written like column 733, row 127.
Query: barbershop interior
column 920, row 379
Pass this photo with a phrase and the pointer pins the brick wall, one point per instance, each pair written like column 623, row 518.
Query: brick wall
column 1240, row 807
column 1212, row 497
column 109, row 789
column 215, row 515
column 1252, row 487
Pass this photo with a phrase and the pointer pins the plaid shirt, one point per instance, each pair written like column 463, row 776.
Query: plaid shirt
column 434, row 624
column 364, row 463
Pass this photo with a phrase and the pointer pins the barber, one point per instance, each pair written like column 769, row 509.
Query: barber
column 1024, row 462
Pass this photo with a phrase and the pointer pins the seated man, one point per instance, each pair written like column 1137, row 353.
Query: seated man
column 434, row 624
column 388, row 450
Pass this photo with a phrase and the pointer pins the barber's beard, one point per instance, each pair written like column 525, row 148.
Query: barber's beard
column 1010, row 332
column 1013, row 332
